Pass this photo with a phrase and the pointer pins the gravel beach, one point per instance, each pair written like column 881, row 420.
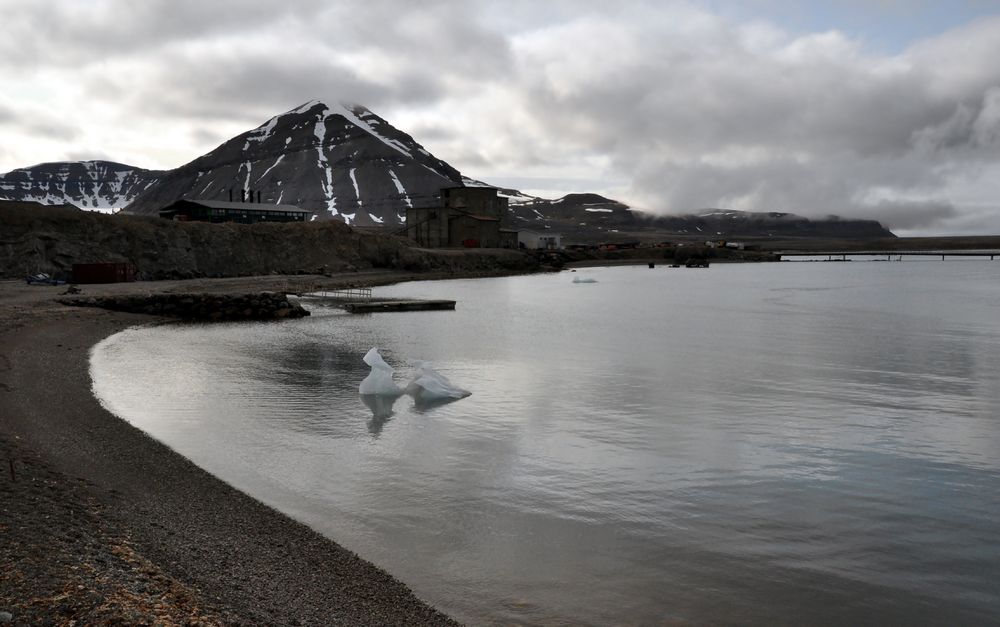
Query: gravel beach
column 101, row 524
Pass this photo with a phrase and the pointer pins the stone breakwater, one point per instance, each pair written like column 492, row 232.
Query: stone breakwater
column 202, row 307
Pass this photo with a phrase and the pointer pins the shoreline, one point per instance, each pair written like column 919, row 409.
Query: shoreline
column 103, row 524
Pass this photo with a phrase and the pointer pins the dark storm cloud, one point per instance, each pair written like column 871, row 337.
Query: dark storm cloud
column 66, row 32
column 211, row 60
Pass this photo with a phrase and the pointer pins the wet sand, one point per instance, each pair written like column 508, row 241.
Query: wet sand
column 101, row 524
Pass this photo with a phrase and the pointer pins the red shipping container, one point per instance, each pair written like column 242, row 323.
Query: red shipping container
column 116, row 272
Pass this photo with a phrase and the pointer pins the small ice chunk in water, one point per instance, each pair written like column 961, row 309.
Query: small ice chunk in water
column 379, row 380
column 431, row 385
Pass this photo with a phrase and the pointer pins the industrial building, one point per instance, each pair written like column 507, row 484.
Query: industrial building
column 223, row 211
column 471, row 217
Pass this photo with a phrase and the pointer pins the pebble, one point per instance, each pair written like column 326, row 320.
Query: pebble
column 6, row 618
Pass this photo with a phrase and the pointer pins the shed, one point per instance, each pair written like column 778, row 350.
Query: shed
column 535, row 240
column 112, row 272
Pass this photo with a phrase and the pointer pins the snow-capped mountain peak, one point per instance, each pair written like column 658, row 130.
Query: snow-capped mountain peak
column 341, row 161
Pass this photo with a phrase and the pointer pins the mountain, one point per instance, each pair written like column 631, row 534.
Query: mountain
column 339, row 161
column 86, row 184
column 723, row 223
column 344, row 162
column 593, row 218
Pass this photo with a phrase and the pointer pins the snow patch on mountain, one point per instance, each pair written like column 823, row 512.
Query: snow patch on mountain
column 320, row 132
column 100, row 185
column 400, row 189
column 348, row 111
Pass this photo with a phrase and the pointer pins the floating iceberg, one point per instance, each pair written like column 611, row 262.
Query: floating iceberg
column 379, row 380
column 585, row 279
column 431, row 385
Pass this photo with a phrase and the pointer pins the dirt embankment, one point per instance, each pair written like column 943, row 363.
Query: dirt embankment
column 35, row 238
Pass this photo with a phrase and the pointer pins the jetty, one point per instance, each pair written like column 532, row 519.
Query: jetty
column 842, row 255
column 400, row 305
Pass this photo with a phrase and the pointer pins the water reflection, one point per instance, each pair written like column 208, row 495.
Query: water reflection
column 423, row 405
column 381, row 406
column 815, row 442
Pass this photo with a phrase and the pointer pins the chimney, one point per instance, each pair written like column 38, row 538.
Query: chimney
column 243, row 195
column 258, row 196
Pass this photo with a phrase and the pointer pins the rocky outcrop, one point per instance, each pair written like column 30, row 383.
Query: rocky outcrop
column 37, row 239
column 205, row 307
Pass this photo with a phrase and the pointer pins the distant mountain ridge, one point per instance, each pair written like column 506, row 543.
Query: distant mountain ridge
column 594, row 218
column 85, row 184
column 345, row 163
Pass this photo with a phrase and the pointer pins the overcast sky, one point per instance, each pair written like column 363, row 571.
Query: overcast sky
column 882, row 109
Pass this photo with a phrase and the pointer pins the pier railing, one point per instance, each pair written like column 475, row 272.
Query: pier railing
column 345, row 295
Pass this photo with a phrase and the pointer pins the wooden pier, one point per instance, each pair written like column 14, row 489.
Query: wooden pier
column 400, row 305
column 841, row 255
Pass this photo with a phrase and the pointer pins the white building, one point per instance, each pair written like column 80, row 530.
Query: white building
column 534, row 240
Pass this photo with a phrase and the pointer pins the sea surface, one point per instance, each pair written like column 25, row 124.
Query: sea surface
column 759, row 444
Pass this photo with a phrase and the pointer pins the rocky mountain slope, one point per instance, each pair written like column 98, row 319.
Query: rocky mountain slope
column 86, row 184
column 339, row 161
column 50, row 239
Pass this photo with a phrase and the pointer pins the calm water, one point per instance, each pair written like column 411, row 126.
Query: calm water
column 794, row 443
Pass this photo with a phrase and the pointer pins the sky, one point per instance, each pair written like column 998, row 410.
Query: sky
column 881, row 109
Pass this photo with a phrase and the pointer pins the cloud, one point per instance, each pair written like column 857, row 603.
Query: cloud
column 677, row 108
column 88, row 155
column 712, row 113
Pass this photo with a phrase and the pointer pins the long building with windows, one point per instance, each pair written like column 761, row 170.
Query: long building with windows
column 241, row 212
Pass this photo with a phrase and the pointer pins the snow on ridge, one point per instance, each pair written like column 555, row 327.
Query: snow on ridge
column 376, row 219
column 304, row 107
column 264, row 130
column 593, row 210
column 357, row 190
column 352, row 117
column 246, row 183
column 320, row 131
column 400, row 188
column 261, row 177
column 466, row 181
column 719, row 212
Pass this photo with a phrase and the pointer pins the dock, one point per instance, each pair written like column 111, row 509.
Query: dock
column 400, row 305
